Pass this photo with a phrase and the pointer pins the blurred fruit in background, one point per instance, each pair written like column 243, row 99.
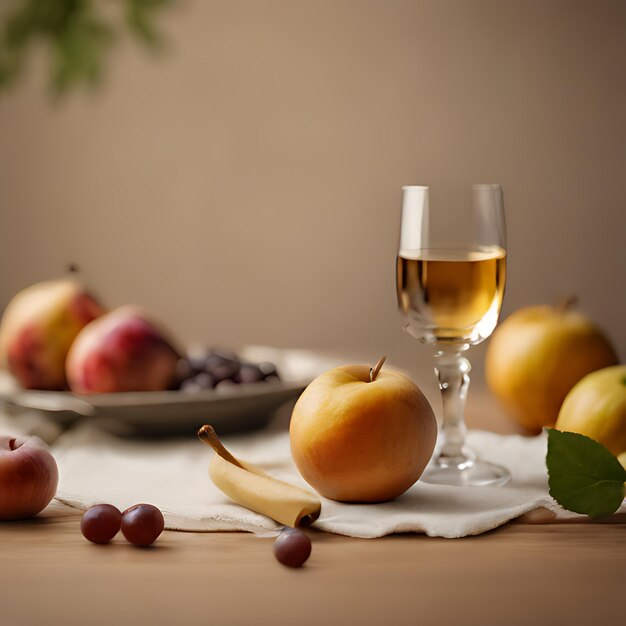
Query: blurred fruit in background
column 54, row 335
column 596, row 407
column 38, row 328
column 220, row 369
column 537, row 355
column 124, row 350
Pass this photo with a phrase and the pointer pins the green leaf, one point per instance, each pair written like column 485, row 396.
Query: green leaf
column 77, row 35
column 584, row 476
column 140, row 16
column 79, row 50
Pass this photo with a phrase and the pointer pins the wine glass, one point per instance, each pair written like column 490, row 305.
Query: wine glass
column 451, row 271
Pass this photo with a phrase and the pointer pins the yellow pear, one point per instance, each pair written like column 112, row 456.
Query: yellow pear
column 537, row 355
column 596, row 407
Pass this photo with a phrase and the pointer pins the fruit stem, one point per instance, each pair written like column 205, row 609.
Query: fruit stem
column 208, row 435
column 374, row 371
column 72, row 268
column 566, row 303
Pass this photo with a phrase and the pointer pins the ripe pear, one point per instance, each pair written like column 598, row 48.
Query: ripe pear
column 537, row 355
column 38, row 327
column 596, row 407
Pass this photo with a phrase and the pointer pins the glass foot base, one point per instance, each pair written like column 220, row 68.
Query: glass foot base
column 465, row 472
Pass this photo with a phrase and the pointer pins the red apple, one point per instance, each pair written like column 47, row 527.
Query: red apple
column 124, row 350
column 38, row 327
column 28, row 477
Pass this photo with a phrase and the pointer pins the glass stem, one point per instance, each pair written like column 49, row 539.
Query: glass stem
column 452, row 370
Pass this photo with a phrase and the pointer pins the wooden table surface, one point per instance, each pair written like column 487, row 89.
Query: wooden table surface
column 557, row 573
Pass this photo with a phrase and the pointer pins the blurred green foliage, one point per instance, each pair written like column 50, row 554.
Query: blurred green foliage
column 77, row 35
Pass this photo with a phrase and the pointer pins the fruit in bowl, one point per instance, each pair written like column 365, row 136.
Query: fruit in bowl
column 362, row 435
column 124, row 350
column 28, row 477
column 221, row 369
column 596, row 407
column 537, row 355
column 38, row 328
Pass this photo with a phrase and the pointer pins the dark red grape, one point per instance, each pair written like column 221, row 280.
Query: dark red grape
column 198, row 362
column 222, row 366
column 200, row 382
column 101, row 523
column 225, row 385
column 142, row 524
column 292, row 547
column 249, row 373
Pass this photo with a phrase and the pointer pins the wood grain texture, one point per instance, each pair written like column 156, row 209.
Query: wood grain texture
column 520, row 574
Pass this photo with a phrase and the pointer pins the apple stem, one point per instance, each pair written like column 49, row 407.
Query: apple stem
column 208, row 435
column 376, row 369
column 566, row 303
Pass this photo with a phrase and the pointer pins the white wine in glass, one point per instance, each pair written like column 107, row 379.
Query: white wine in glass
column 450, row 287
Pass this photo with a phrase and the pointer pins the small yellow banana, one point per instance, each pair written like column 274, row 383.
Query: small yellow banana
column 249, row 486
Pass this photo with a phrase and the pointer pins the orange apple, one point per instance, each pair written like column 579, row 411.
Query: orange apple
column 38, row 328
column 357, row 440
column 537, row 355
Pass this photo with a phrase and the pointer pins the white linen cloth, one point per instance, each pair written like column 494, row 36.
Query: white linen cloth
column 97, row 467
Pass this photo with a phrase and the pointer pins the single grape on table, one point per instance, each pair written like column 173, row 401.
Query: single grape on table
column 142, row 524
column 292, row 547
column 101, row 523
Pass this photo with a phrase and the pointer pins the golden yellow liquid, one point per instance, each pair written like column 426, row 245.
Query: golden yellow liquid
column 449, row 295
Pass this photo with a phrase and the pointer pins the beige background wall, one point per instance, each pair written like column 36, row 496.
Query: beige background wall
column 246, row 185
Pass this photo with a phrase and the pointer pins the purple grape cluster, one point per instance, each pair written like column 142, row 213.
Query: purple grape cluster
column 218, row 369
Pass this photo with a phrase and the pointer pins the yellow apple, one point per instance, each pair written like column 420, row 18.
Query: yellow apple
column 537, row 355
column 596, row 407
column 357, row 440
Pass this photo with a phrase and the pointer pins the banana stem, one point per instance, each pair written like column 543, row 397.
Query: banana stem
column 374, row 371
column 208, row 435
